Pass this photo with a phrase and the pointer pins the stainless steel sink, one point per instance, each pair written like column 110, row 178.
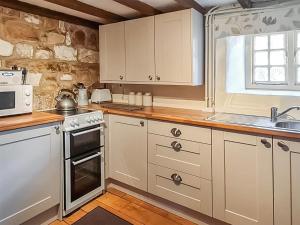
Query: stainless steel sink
column 288, row 125
column 256, row 121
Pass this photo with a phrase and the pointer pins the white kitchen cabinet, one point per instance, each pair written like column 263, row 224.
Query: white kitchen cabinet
column 286, row 182
column 112, row 53
column 190, row 191
column 30, row 172
column 163, row 49
column 179, row 48
column 139, row 45
column 128, row 150
column 242, row 178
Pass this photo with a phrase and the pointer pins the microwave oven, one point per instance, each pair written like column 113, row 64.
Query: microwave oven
column 15, row 99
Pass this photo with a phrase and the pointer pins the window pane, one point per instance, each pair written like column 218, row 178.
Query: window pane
column 277, row 58
column 261, row 42
column 261, row 58
column 298, row 57
column 260, row 74
column 277, row 74
column 298, row 75
column 277, row 41
column 298, row 40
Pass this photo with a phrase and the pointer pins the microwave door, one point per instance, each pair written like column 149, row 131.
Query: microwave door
column 7, row 100
column 11, row 100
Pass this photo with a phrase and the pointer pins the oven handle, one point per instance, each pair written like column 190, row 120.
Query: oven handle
column 86, row 159
column 86, row 131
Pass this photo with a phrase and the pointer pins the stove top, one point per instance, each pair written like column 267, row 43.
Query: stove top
column 79, row 118
column 69, row 113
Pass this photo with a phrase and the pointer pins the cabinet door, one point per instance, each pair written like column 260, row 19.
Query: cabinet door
column 128, row 150
column 139, row 42
column 30, row 173
column 173, row 47
column 242, row 179
column 286, row 182
column 112, row 54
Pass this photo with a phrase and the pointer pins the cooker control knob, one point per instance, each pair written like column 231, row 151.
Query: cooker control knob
column 92, row 119
column 88, row 119
column 72, row 123
column 76, row 122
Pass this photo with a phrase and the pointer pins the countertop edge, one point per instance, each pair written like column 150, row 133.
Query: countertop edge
column 204, row 123
column 28, row 120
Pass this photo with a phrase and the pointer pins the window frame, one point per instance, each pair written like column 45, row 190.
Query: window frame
column 291, row 65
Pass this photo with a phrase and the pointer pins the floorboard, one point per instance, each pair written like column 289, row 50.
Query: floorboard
column 128, row 208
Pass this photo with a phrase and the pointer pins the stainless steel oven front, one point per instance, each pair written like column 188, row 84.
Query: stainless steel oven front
column 84, row 166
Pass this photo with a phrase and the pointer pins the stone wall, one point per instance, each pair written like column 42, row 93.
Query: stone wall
column 57, row 54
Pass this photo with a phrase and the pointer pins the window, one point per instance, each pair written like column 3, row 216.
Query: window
column 271, row 62
column 298, row 59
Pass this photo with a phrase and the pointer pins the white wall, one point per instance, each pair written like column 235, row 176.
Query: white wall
column 241, row 23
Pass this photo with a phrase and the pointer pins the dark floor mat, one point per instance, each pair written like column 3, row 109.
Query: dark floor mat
column 100, row 216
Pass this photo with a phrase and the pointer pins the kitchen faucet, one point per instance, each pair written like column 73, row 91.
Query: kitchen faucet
column 275, row 114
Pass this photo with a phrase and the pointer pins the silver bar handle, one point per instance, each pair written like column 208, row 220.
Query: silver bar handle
column 86, row 159
column 86, row 132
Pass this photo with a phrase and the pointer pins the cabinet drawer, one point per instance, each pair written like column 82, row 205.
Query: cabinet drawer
column 192, row 192
column 192, row 133
column 186, row 156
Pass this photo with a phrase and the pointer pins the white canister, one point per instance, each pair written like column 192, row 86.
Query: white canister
column 82, row 97
column 131, row 98
column 139, row 98
column 147, row 99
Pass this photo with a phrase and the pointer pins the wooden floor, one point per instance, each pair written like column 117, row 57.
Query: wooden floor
column 128, row 208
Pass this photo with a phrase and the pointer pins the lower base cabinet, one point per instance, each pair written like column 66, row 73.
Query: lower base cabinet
column 128, row 151
column 286, row 182
column 184, row 189
column 242, row 178
column 30, row 173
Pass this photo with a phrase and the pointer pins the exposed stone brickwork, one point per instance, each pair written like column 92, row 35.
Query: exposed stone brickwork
column 57, row 54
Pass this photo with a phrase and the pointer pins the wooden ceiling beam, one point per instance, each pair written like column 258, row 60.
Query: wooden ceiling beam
column 143, row 8
column 246, row 4
column 33, row 9
column 88, row 9
column 191, row 4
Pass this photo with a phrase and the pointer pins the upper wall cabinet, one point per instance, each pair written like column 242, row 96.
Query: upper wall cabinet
column 164, row 49
column 139, row 45
column 179, row 48
column 112, row 52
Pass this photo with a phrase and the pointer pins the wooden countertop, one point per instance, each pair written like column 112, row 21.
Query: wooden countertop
column 193, row 117
column 28, row 120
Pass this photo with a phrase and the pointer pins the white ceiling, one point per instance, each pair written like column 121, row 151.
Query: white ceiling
column 114, row 7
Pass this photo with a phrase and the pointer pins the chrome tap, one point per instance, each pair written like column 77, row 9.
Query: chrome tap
column 275, row 114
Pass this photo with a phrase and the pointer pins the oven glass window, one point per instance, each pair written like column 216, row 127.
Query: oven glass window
column 83, row 141
column 7, row 100
column 85, row 177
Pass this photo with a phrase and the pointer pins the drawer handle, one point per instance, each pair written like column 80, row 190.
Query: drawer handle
column 266, row 143
column 283, row 146
column 176, row 132
column 176, row 146
column 176, row 178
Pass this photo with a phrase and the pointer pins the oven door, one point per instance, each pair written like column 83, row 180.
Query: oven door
column 82, row 141
column 84, row 178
